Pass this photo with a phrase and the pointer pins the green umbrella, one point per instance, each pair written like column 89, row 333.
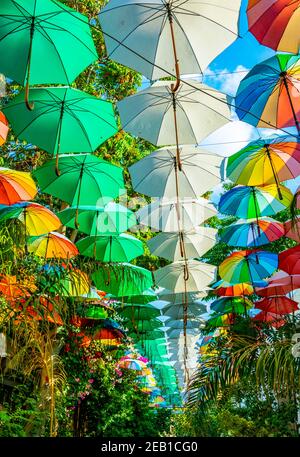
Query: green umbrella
column 64, row 120
column 147, row 296
column 79, row 172
column 95, row 220
column 122, row 279
column 136, row 313
column 111, row 248
column 142, row 335
column 43, row 42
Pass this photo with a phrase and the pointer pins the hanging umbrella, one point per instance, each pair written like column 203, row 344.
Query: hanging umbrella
column 265, row 162
column 178, row 312
column 248, row 266
column 223, row 288
column 15, row 186
column 289, row 260
column 196, row 243
column 249, row 202
column 94, row 312
column 143, row 325
column 174, row 276
column 132, row 364
column 179, row 324
column 12, row 288
column 96, row 220
column 220, row 320
column 138, row 312
column 157, row 174
column 268, row 95
column 160, row 38
column 148, row 296
column 75, row 284
column 4, row 129
column 37, row 219
column 79, row 172
column 31, row 30
column 162, row 214
column 178, row 299
column 277, row 305
column 236, row 305
column 149, row 113
column 281, row 283
column 53, row 246
column 123, row 280
column 267, row 317
column 275, row 24
column 252, row 232
column 292, row 229
column 64, row 120
column 111, row 248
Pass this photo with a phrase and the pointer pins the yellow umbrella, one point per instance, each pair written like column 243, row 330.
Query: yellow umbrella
column 53, row 245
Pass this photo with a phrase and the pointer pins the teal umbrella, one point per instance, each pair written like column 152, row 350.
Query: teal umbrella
column 96, row 220
column 111, row 248
column 43, row 42
column 64, row 120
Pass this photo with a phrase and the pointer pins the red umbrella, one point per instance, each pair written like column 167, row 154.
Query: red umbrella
column 277, row 305
column 289, row 260
column 274, row 319
column 281, row 283
column 292, row 229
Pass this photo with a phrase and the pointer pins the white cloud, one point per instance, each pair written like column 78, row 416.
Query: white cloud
column 225, row 80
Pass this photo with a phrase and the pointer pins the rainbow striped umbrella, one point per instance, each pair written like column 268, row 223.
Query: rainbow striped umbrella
column 237, row 305
column 15, row 186
column 252, row 232
column 225, row 289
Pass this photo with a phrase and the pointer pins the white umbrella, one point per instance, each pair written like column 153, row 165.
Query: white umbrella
column 192, row 323
column 189, row 276
column 178, row 311
column 191, row 31
column 176, row 333
column 157, row 174
column 196, row 243
column 163, row 214
column 165, row 118
column 178, row 299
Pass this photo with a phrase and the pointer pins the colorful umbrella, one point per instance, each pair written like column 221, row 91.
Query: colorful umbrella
column 53, row 246
column 4, row 129
column 142, row 36
column 277, row 305
column 195, row 243
column 236, row 305
column 248, row 266
column 96, row 220
column 289, row 260
column 157, row 174
column 123, row 279
column 274, row 319
column 111, row 248
column 249, row 202
column 162, row 214
column 292, row 229
column 268, row 95
column 15, row 186
column 223, row 288
column 64, row 120
column 93, row 312
column 31, row 30
column 281, row 283
column 80, row 172
column 12, row 288
column 178, row 312
column 132, row 364
column 265, row 162
column 37, row 219
column 146, row 297
column 75, row 284
column 275, row 24
column 252, row 232
column 220, row 320
column 138, row 312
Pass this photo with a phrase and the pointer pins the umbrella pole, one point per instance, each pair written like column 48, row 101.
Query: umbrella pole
column 30, row 106
column 25, row 224
column 283, row 75
column 59, row 136
column 78, row 197
column 176, row 131
column 274, row 172
column 175, row 86
column 256, row 209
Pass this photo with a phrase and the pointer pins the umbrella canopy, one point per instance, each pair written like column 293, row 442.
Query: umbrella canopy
column 268, row 95
column 75, row 284
column 178, row 312
column 149, row 113
column 292, row 229
column 265, row 162
column 64, row 120
column 274, row 319
column 223, row 288
column 132, row 364
column 178, row 299
column 162, row 214
column 173, row 276
column 53, row 246
column 157, row 174
column 37, row 219
column 111, row 248
column 140, row 35
column 248, row 202
column 281, row 283
column 143, row 325
column 277, row 305
column 179, row 324
column 248, row 266
column 138, row 312
column 220, row 320
column 237, row 305
column 252, row 232
column 275, row 24
column 123, row 279
column 289, row 260
column 78, row 173
column 31, row 30
column 96, row 220
column 4, row 129
column 15, row 186
column 146, row 297
column 12, row 288
column 196, row 243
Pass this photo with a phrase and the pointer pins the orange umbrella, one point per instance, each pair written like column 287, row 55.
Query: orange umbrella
column 15, row 186
column 53, row 245
column 3, row 128
column 43, row 309
column 234, row 290
column 13, row 289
